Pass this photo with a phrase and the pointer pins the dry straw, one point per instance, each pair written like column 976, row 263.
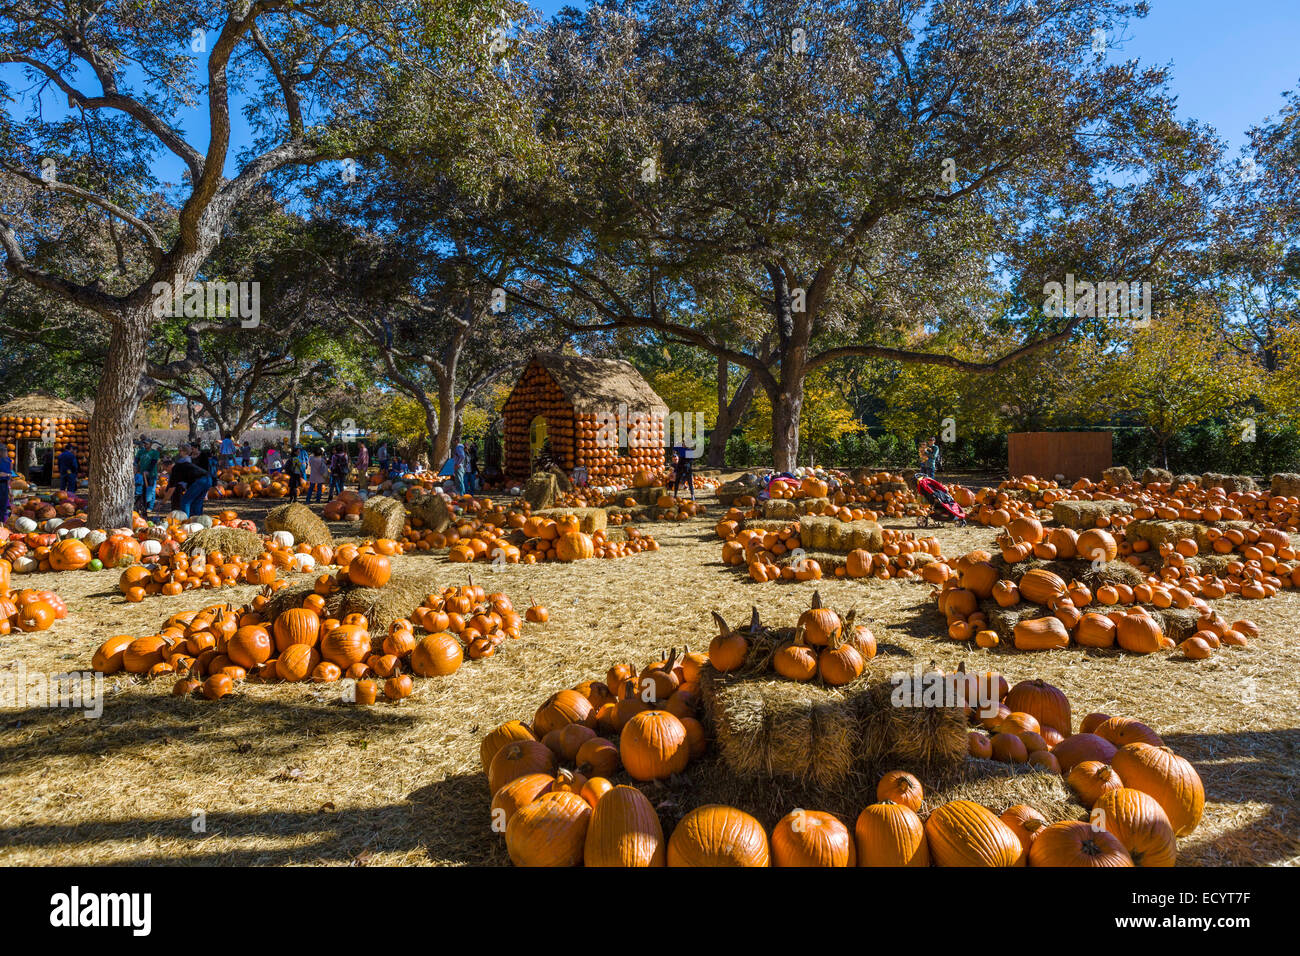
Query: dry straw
column 301, row 522
column 383, row 518
column 229, row 541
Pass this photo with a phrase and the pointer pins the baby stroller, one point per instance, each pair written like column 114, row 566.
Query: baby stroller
column 945, row 507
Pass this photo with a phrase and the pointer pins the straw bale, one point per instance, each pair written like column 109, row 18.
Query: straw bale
column 1118, row 475
column 383, row 518
column 590, row 520
column 230, row 541
column 832, row 534
column 301, row 522
column 1084, row 514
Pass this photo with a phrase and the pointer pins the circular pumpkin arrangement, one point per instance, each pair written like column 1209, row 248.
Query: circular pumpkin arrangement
column 550, row 779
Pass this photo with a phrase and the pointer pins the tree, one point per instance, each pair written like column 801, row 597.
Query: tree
column 1171, row 375
column 861, row 171
column 321, row 80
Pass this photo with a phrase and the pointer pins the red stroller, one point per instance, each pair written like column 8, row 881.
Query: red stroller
column 944, row 506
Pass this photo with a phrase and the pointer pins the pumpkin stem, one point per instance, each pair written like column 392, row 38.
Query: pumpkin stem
column 754, row 626
column 723, row 629
column 817, row 599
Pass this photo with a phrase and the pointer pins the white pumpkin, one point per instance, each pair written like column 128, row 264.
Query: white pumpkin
column 93, row 539
column 179, row 516
column 303, row 562
column 53, row 524
column 26, row 564
column 78, row 534
column 25, row 525
column 282, row 539
column 192, row 527
column 151, row 546
column 204, row 521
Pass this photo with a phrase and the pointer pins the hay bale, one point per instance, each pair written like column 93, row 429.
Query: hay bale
column 230, row 541
column 301, row 522
column 1194, row 480
column 1229, row 483
column 747, row 484
column 1113, row 572
column 812, row 734
column 402, row 594
column 999, row 786
column 1157, row 532
column 383, row 518
column 590, row 520
column 1152, row 476
column 1118, row 475
column 764, row 524
column 1286, row 484
column 793, row 507
column 430, row 511
column 642, row 496
column 1084, row 514
column 780, row 728
column 832, row 534
column 1179, row 623
column 541, row 490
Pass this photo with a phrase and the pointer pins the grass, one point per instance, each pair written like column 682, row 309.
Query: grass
column 286, row 774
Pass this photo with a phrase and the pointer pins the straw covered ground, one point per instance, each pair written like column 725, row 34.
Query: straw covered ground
column 287, row 774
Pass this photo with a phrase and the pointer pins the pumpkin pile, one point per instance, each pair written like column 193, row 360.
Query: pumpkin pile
column 758, row 550
column 212, row 650
column 27, row 610
column 556, row 804
column 1117, row 763
column 66, row 431
column 824, row 647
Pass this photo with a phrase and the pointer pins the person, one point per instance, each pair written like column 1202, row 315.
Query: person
column 295, row 474
column 68, row 470
column 317, row 475
column 932, row 458
column 471, row 477
column 213, row 465
column 182, row 453
column 271, row 460
column 246, row 453
column 459, row 459
column 340, row 465
column 580, row 476
column 363, row 466
column 6, row 473
column 682, row 470
column 146, row 461
column 140, row 508
column 191, row 481
column 381, row 456
column 923, row 453
column 227, row 450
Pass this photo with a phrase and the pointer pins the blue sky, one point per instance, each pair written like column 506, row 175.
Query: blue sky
column 1230, row 64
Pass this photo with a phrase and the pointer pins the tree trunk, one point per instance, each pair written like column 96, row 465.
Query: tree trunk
column 441, row 439
column 786, row 406
column 295, row 429
column 729, row 415
column 112, row 487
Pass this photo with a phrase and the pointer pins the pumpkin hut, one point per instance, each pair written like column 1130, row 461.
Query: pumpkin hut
column 595, row 412
column 34, row 422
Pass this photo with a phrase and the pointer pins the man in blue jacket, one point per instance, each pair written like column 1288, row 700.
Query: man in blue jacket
column 6, row 472
column 68, row 470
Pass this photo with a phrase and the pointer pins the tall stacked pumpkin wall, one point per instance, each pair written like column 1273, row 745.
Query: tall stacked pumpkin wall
column 579, row 438
column 65, row 431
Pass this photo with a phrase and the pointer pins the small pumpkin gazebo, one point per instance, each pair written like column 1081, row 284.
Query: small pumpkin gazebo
column 595, row 412
column 36, row 420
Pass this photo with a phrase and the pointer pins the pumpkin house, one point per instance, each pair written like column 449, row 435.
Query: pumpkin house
column 595, row 412
column 34, row 422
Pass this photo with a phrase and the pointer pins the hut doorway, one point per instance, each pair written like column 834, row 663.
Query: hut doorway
column 536, row 437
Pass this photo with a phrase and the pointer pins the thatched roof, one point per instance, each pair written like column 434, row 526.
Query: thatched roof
column 597, row 384
column 38, row 405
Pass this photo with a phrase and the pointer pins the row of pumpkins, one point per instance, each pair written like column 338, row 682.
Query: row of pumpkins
column 554, row 801
column 758, row 550
column 211, row 651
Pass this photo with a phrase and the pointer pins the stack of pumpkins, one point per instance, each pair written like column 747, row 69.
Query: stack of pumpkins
column 824, row 646
column 554, row 801
column 211, row 651
column 1116, row 615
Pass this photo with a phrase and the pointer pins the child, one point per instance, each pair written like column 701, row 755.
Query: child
column 141, row 506
column 295, row 475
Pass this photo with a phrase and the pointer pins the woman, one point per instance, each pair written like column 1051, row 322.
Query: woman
column 459, row 462
column 295, row 475
column 6, row 472
column 317, row 475
column 271, row 460
column 340, row 465
column 363, row 466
